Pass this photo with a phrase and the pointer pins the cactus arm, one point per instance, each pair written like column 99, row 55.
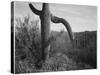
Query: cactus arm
column 34, row 10
column 55, row 19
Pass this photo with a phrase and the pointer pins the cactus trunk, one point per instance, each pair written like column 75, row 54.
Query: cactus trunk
column 46, row 17
column 45, row 30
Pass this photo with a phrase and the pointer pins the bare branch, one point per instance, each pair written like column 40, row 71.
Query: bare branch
column 55, row 19
column 34, row 10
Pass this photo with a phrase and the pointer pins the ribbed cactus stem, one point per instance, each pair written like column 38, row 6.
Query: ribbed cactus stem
column 46, row 17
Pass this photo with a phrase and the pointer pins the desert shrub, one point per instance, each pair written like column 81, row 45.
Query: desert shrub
column 28, row 50
column 85, row 51
column 27, row 40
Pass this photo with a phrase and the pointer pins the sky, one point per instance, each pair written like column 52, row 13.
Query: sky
column 80, row 17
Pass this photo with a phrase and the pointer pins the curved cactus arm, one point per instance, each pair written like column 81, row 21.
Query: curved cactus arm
column 34, row 10
column 66, row 24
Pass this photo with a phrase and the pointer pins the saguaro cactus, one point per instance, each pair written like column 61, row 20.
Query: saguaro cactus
column 45, row 17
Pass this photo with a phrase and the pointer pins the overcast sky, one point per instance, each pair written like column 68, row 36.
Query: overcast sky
column 81, row 18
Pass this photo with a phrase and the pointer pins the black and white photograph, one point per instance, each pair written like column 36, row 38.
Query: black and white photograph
column 52, row 37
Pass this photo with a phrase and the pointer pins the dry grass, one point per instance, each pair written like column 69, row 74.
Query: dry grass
column 62, row 56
